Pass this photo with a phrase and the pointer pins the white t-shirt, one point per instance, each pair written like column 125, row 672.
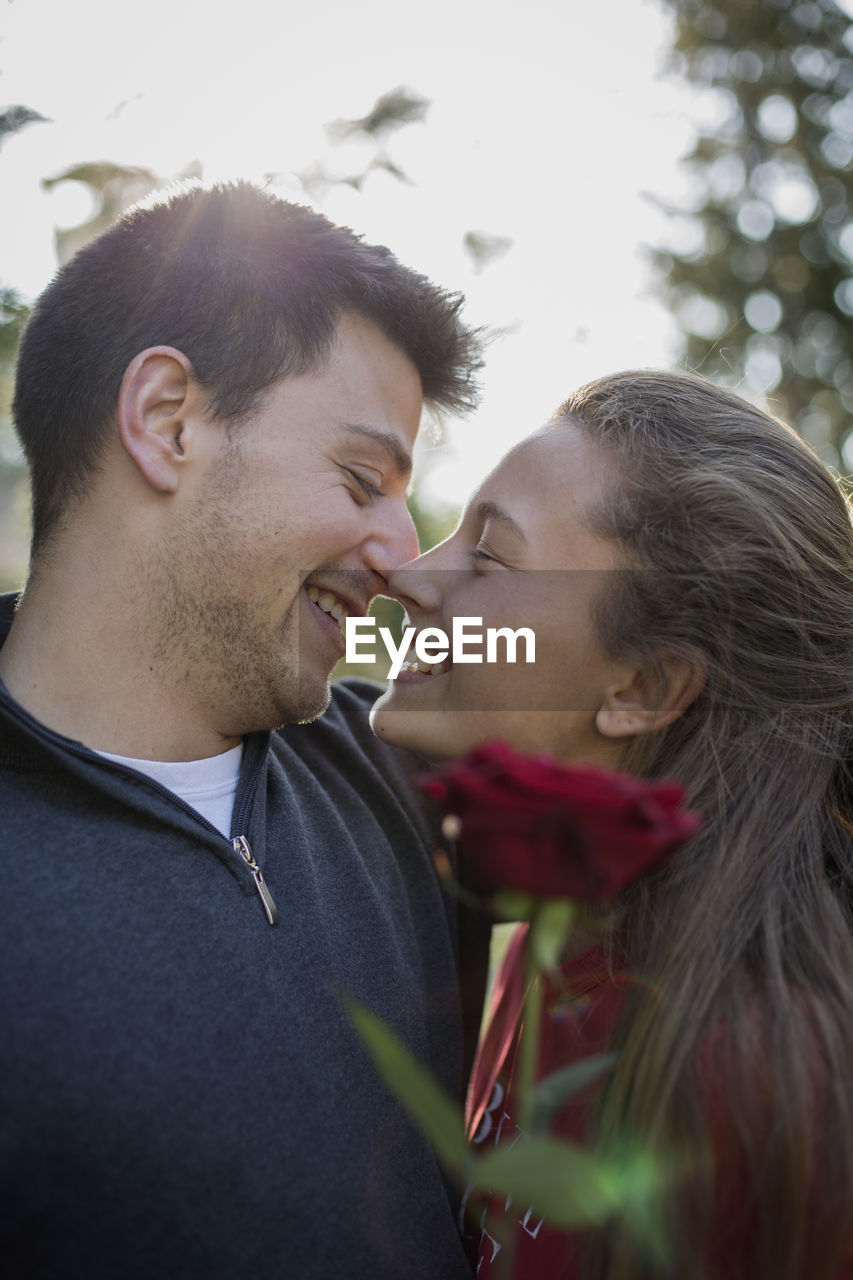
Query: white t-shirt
column 209, row 785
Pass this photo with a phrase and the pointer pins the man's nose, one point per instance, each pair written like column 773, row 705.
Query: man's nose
column 394, row 540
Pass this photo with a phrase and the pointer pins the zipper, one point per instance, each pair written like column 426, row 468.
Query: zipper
column 241, row 845
column 240, row 817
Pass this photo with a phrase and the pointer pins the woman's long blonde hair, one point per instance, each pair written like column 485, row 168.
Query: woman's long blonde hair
column 741, row 543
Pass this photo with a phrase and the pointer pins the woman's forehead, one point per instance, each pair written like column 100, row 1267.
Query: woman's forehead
column 557, row 459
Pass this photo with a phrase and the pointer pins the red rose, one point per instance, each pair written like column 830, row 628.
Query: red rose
column 531, row 823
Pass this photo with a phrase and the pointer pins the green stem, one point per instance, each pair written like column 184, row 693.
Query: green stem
column 503, row 1232
column 527, row 1071
column 530, row 1035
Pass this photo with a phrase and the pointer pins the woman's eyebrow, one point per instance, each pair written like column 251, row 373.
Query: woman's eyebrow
column 397, row 455
column 487, row 510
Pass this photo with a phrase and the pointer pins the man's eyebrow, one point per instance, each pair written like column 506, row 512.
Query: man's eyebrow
column 491, row 511
column 399, row 457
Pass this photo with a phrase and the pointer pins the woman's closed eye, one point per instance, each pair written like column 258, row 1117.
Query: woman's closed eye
column 482, row 555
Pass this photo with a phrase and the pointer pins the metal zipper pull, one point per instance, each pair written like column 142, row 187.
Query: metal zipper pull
column 242, row 846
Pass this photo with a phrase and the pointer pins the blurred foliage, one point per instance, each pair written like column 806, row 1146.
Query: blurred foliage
column 397, row 107
column 12, row 119
column 483, row 247
column 758, row 267
column 433, row 525
column 359, row 147
column 115, row 188
column 14, row 490
column 13, row 316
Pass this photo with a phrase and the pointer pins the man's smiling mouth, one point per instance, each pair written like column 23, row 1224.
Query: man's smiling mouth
column 330, row 604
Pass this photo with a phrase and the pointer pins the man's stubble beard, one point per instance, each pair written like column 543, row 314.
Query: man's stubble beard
column 217, row 639
column 243, row 675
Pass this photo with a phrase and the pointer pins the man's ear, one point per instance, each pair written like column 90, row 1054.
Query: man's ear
column 158, row 397
column 647, row 700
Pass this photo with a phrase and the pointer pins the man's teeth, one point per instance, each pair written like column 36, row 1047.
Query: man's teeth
column 330, row 604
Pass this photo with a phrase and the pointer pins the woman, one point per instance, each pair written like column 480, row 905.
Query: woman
column 693, row 613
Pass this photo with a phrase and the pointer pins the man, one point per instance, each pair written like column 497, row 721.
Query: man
column 218, row 400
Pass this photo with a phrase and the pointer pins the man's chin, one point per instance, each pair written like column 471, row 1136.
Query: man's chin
column 311, row 703
column 298, row 707
column 305, row 695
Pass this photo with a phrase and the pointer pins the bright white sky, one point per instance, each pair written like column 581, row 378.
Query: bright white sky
column 550, row 122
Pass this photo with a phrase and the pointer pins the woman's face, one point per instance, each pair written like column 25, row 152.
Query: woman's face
column 522, row 556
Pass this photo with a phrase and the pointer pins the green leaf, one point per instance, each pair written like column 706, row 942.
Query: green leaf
column 560, row 1181
column 630, row 1175
column 549, row 931
column 431, row 1108
column 633, row 1180
column 509, row 904
column 554, row 1091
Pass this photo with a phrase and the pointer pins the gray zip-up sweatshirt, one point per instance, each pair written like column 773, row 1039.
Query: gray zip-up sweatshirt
column 180, row 1092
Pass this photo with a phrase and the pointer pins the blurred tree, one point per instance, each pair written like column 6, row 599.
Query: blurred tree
column 359, row 147
column 114, row 186
column 391, row 110
column 13, row 316
column 483, row 247
column 433, row 525
column 12, row 119
column 14, row 499
column 758, row 266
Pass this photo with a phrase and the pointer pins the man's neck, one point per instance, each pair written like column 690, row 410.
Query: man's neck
column 82, row 661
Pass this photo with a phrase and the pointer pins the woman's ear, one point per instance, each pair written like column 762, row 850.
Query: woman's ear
column 646, row 700
column 158, row 397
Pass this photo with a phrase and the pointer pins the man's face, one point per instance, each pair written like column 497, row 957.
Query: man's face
column 304, row 501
